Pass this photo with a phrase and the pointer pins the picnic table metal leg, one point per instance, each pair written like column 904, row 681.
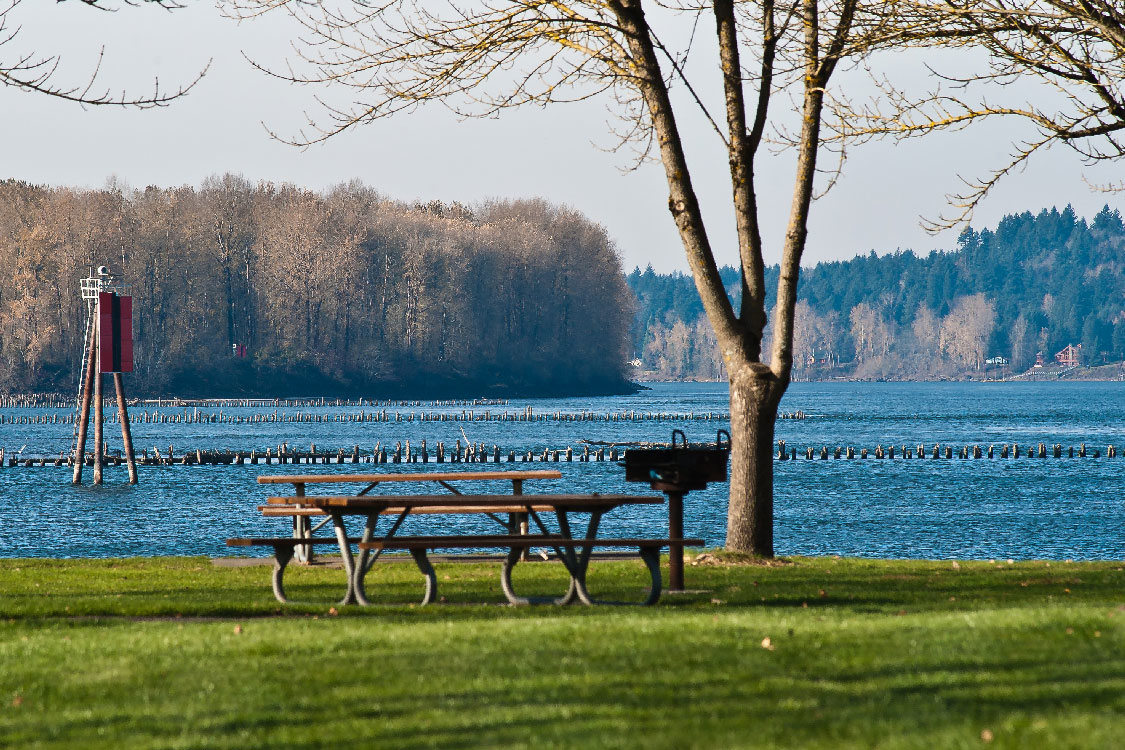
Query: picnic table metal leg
column 423, row 563
column 302, row 529
column 515, row 554
column 651, row 557
column 367, row 558
column 282, row 554
column 346, row 554
column 577, row 559
column 363, row 564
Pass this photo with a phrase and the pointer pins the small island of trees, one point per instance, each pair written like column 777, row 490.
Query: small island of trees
column 246, row 288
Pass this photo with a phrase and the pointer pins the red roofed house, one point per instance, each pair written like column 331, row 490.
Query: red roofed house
column 1068, row 357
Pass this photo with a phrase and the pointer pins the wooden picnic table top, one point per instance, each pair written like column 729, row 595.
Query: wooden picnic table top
column 442, row 476
column 286, row 511
column 370, row 503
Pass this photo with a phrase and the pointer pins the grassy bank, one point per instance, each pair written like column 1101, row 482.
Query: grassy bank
column 178, row 652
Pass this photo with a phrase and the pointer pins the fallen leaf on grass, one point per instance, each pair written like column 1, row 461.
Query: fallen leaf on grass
column 767, row 644
column 333, row 611
column 955, row 565
column 238, row 630
column 986, row 735
column 716, row 601
column 822, row 593
column 17, row 701
column 1070, row 631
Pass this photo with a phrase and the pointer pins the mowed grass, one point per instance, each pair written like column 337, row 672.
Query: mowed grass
column 180, row 653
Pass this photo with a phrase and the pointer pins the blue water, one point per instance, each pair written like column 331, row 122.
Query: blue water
column 1026, row 508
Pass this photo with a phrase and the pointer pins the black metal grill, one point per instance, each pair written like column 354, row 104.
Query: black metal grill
column 676, row 471
column 682, row 466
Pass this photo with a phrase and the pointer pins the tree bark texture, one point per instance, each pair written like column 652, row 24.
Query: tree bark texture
column 753, row 409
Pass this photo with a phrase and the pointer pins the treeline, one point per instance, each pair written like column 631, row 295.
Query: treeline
column 1035, row 283
column 273, row 289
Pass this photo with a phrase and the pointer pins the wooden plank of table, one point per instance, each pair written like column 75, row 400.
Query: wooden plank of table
column 279, row 511
column 380, row 502
column 420, row 476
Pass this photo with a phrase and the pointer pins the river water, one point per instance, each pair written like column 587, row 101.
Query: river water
column 999, row 508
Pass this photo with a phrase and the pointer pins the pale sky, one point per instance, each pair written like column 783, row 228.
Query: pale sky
column 557, row 153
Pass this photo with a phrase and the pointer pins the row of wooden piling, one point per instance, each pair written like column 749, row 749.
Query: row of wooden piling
column 1042, row 450
column 401, row 453
column 58, row 401
column 527, row 415
column 404, row 453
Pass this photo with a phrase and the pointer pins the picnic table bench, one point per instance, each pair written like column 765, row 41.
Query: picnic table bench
column 573, row 552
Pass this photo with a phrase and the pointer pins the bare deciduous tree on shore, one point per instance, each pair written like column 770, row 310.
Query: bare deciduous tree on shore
column 775, row 62
column 342, row 285
column 965, row 332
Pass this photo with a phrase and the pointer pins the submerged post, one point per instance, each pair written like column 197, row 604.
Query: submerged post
column 126, row 434
column 99, row 444
column 84, row 410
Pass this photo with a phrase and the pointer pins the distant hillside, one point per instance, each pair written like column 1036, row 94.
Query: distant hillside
column 1035, row 283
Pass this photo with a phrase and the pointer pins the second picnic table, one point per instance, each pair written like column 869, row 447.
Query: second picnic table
column 519, row 509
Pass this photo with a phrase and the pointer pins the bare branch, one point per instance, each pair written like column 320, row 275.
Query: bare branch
column 39, row 73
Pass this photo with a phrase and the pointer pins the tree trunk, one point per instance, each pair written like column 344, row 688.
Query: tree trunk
column 753, row 410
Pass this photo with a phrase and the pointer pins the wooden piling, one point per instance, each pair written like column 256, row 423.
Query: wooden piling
column 99, row 442
column 126, row 433
column 84, row 409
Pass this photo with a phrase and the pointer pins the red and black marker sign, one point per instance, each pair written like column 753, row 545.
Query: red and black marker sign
column 115, row 314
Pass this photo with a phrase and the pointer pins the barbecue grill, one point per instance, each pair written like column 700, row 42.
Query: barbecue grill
column 675, row 471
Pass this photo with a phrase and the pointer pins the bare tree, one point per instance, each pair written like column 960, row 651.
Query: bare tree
column 38, row 72
column 966, row 330
column 870, row 332
column 480, row 58
column 1074, row 50
column 805, row 325
column 1020, row 337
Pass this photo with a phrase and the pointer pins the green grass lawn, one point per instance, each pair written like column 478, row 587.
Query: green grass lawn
column 177, row 652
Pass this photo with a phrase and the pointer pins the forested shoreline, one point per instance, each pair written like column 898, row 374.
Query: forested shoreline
column 1034, row 284
column 274, row 290
column 262, row 289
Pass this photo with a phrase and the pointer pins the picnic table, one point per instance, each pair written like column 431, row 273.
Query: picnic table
column 512, row 512
column 302, row 513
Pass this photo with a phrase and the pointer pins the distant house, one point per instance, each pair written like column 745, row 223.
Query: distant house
column 996, row 361
column 1038, row 359
column 1068, row 357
